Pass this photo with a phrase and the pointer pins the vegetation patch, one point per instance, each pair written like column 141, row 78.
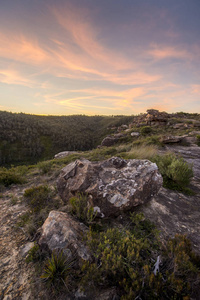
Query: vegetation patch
column 175, row 171
column 58, row 270
column 146, row 130
column 80, row 207
column 140, row 152
column 133, row 260
column 40, row 200
column 10, row 176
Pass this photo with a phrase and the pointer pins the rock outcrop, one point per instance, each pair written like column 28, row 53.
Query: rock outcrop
column 170, row 139
column 64, row 154
column 111, row 140
column 113, row 186
column 61, row 231
column 154, row 117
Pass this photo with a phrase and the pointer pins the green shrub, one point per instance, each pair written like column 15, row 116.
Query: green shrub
column 121, row 258
column 45, row 166
column 175, row 171
column 57, row 269
column 33, row 254
column 79, row 206
column 10, row 176
column 133, row 260
column 145, row 130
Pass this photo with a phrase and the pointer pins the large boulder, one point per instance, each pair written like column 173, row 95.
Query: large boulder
column 61, row 231
column 113, row 186
column 111, row 140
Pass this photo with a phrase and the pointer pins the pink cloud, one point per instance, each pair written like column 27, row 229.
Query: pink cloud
column 162, row 52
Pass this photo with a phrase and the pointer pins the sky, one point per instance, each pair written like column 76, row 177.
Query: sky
column 99, row 57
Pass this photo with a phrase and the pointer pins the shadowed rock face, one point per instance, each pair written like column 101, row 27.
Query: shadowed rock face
column 113, row 186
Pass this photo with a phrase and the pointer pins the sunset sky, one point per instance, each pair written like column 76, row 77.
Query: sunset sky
column 102, row 57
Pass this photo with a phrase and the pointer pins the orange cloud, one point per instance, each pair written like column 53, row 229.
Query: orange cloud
column 87, row 37
column 103, row 99
column 21, row 49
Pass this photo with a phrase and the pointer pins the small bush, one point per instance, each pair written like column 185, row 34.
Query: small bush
column 175, row 171
column 146, row 130
column 45, row 166
column 33, row 254
column 8, row 177
column 79, row 206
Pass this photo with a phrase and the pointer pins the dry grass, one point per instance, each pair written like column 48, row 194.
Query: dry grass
column 141, row 152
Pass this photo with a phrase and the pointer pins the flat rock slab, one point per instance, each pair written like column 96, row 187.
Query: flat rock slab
column 113, row 186
column 171, row 211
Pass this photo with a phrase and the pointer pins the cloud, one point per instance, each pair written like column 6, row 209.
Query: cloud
column 18, row 47
column 163, row 52
column 12, row 76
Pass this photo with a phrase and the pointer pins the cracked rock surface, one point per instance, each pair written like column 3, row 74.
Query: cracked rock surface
column 113, row 186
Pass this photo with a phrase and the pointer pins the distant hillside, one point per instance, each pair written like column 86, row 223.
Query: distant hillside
column 28, row 138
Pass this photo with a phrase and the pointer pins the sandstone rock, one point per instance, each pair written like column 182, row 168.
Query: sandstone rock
column 173, row 212
column 64, row 154
column 189, row 140
column 172, row 139
column 61, row 231
column 109, row 141
column 114, row 185
column 119, row 135
column 135, row 134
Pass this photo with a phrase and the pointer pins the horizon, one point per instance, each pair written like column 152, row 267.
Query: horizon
column 61, row 58
column 99, row 115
